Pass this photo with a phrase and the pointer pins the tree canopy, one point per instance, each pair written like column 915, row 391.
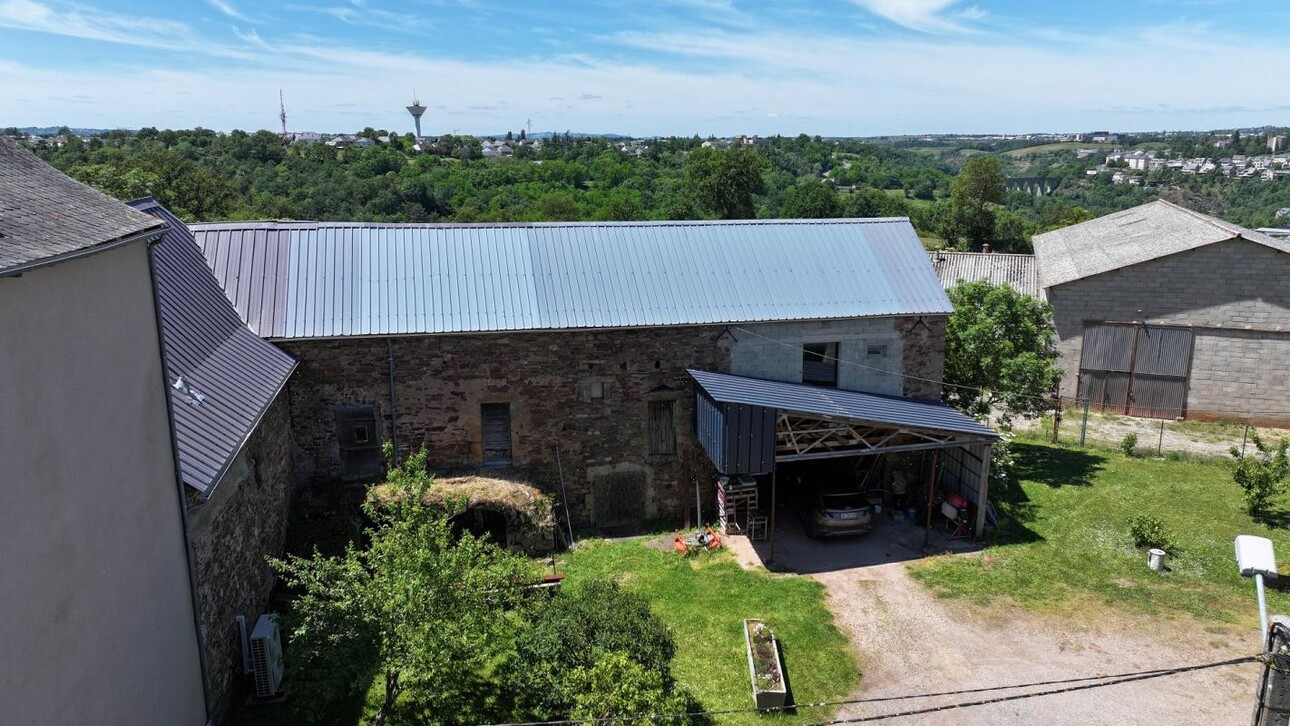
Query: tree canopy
column 723, row 182
column 1000, row 351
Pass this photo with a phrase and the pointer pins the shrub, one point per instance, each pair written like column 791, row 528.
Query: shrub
column 1149, row 531
column 1261, row 475
column 1129, row 444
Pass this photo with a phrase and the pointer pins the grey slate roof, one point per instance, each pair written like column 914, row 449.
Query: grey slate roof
column 1146, row 232
column 46, row 216
column 204, row 340
column 869, row 407
column 321, row 280
column 993, row 267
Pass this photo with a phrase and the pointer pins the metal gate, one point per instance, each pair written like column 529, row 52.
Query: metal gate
column 1139, row 370
column 620, row 498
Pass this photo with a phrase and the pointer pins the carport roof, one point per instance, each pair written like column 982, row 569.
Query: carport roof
column 853, row 405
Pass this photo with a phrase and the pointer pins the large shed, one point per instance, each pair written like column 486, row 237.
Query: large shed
column 1165, row 312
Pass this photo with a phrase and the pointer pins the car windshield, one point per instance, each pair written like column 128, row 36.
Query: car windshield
column 842, row 501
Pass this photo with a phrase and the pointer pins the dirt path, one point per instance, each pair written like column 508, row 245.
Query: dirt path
column 1186, row 437
column 908, row 641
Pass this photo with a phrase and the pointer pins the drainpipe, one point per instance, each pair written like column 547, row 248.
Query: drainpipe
column 394, row 411
column 189, row 554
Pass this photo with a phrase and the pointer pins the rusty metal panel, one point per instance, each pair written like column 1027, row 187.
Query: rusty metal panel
column 1164, row 351
column 1107, row 348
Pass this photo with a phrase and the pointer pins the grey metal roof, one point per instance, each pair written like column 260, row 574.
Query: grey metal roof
column 311, row 280
column 854, row 405
column 204, row 340
column 46, row 216
column 995, row 268
column 1146, row 232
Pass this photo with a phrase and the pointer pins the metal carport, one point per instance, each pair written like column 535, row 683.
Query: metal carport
column 749, row 425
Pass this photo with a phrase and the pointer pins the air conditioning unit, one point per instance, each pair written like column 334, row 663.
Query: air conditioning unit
column 266, row 656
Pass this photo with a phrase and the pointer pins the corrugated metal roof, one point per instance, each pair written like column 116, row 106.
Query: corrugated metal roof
column 46, row 215
column 995, row 268
column 1146, row 232
column 204, row 340
column 868, row 407
column 311, row 280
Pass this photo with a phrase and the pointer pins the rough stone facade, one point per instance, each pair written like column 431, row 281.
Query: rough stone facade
column 232, row 532
column 1235, row 296
column 586, row 392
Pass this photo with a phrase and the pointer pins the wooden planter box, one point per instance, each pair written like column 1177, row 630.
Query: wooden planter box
column 768, row 686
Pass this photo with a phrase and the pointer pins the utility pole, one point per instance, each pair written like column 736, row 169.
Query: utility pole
column 1273, row 707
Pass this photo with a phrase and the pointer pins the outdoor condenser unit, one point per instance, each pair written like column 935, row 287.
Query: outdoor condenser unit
column 266, row 656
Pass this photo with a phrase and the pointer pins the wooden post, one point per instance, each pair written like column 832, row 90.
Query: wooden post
column 931, row 489
column 983, row 491
column 774, row 485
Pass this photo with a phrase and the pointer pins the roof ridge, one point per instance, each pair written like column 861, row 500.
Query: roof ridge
column 234, row 224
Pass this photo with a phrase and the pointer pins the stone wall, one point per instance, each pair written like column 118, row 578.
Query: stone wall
column 1236, row 296
column 587, row 392
column 242, row 522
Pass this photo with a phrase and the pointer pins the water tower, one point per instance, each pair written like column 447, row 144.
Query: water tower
column 416, row 109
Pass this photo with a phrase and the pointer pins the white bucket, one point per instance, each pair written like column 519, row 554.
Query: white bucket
column 1156, row 559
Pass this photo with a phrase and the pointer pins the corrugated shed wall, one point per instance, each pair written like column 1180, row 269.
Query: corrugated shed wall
column 294, row 280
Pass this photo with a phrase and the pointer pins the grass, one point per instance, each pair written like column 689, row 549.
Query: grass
column 704, row 600
column 1059, row 146
column 1064, row 540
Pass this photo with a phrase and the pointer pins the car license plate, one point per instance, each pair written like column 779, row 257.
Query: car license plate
column 847, row 515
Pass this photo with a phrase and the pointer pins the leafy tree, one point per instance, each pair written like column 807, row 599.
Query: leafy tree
column 724, row 182
column 617, row 686
column 811, row 200
column 1262, row 475
column 1000, row 351
column 415, row 607
column 978, row 187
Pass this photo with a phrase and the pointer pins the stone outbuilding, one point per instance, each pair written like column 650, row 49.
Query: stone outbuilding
column 562, row 349
column 1168, row 313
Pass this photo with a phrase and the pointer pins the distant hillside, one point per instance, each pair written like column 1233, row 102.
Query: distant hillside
column 53, row 130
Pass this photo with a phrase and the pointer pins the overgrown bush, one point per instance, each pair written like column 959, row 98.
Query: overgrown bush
column 569, row 634
column 1129, row 444
column 1150, row 531
column 1261, row 475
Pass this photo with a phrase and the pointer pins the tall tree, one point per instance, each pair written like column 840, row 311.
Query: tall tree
column 810, row 200
column 416, row 608
column 1000, row 351
column 978, row 187
column 724, row 182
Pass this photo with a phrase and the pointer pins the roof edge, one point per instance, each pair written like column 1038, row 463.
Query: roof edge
column 308, row 224
column 151, row 233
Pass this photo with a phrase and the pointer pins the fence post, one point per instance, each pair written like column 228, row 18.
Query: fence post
column 1083, row 430
column 1160, row 443
column 1244, row 436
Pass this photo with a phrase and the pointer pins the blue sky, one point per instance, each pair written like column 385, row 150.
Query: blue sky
column 833, row 67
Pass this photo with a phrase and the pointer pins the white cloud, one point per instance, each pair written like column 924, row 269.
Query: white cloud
column 227, row 8
column 926, row 15
column 93, row 24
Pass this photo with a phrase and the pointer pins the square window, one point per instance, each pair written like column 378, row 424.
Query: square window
column 820, row 364
column 877, row 350
column 361, row 435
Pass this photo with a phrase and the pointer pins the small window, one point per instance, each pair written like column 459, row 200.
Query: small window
column 820, row 364
column 496, row 418
column 361, row 434
column 878, row 350
column 662, row 428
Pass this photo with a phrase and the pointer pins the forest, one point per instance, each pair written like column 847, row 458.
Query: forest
column 953, row 193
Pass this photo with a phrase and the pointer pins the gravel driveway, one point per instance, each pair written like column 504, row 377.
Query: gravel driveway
column 908, row 641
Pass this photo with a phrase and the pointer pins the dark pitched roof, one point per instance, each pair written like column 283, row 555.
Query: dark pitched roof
column 856, row 405
column 45, row 216
column 236, row 373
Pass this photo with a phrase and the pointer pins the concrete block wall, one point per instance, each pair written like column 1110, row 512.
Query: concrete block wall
column 773, row 351
column 243, row 522
column 1235, row 294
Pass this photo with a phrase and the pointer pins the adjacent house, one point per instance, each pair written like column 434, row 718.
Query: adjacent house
column 150, row 457
column 996, row 268
column 577, row 352
column 1165, row 312
column 99, row 618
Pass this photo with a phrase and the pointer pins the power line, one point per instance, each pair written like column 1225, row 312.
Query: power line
column 1104, row 680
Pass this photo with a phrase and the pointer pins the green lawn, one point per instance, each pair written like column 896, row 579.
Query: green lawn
column 705, row 599
column 1064, row 545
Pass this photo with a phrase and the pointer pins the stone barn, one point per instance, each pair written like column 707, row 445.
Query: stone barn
column 1168, row 313
column 562, row 349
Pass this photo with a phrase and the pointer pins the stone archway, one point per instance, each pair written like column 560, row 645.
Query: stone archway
column 516, row 514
